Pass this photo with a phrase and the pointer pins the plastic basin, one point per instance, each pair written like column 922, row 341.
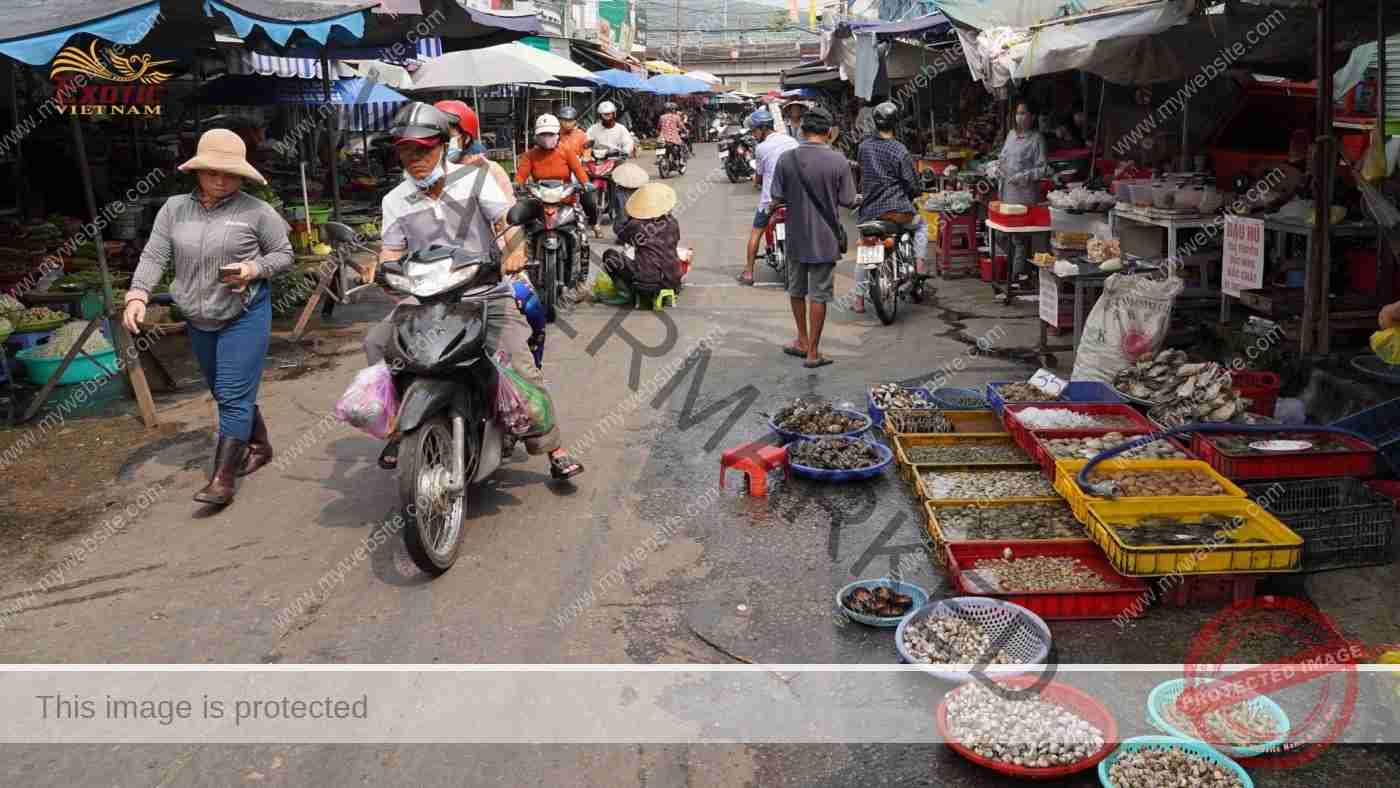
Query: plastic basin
column 1168, row 691
column 827, row 475
column 792, row 436
column 81, row 370
column 1021, row 633
column 1166, row 742
column 917, row 593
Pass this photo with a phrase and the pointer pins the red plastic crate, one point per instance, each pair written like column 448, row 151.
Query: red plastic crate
column 1022, row 434
column 1390, row 489
column 1260, row 387
column 1110, row 603
column 1190, row 589
column 1035, row 216
column 1047, row 460
column 1285, row 465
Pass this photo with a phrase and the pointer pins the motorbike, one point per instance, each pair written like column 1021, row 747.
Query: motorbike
column 670, row 160
column 600, row 163
column 450, row 437
column 557, row 240
column 886, row 252
column 774, row 250
column 736, row 150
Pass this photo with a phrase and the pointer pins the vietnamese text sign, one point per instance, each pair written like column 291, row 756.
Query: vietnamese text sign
column 1049, row 299
column 1243, row 266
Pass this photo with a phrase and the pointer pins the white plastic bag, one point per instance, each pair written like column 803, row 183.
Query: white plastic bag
column 1129, row 320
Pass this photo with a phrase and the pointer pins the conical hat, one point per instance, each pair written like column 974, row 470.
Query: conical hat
column 630, row 176
column 651, row 201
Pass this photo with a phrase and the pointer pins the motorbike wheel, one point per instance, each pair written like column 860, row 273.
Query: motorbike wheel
column 549, row 284
column 732, row 173
column 884, row 291
column 433, row 517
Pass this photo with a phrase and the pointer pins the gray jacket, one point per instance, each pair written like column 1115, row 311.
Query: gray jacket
column 199, row 240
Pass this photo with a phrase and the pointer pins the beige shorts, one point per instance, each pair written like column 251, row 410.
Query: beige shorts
column 812, row 281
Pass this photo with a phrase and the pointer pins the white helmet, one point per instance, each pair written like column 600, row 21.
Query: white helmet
column 546, row 124
column 607, row 108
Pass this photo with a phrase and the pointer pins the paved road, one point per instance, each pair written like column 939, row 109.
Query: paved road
column 276, row 578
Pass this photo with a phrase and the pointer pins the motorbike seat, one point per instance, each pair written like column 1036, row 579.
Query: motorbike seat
column 878, row 227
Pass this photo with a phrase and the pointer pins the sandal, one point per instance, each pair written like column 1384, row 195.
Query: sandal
column 745, row 278
column 820, row 361
column 562, row 467
column 389, row 457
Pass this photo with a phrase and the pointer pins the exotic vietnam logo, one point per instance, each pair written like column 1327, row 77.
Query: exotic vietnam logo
column 112, row 82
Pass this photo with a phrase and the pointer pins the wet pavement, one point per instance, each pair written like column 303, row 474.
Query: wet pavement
column 740, row 579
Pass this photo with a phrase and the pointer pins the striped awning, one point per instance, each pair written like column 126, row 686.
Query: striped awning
column 243, row 61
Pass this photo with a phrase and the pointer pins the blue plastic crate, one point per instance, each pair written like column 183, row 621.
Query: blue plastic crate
column 877, row 415
column 951, row 398
column 1381, row 426
column 1076, row 391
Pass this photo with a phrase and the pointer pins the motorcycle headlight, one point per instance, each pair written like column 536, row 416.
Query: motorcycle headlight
column 550, row 194
column 429, row 279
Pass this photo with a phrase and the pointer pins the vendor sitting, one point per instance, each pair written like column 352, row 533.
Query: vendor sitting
column 654, row 235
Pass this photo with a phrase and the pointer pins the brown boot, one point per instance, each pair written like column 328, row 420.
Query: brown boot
column 259, row 450
column 227, row 457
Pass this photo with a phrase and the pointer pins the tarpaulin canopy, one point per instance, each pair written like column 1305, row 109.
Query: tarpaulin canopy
column 677, row 85
column 503, row 64
column 622, row 80
column 251, row 90
column 986, row 14
column 919, row 25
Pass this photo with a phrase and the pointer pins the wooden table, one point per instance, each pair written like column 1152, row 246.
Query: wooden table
column 1173, row 224
column 1005, row 289
column 1275, row 248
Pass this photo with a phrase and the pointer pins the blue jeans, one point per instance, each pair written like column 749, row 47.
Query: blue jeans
column 232, row 362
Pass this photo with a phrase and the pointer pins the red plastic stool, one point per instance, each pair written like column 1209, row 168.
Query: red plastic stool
column 754, row 461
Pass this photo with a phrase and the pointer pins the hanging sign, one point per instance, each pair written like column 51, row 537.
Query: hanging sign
column 1243, row 263
column 108, row 82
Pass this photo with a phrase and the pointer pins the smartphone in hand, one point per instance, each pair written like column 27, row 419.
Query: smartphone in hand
column 229, row 274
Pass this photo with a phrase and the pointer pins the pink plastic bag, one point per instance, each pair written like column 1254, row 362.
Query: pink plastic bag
column 370, row 403
column 512, row 410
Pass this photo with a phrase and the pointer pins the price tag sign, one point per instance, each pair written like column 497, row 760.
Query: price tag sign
column 1046, row 381
column 1049, row 299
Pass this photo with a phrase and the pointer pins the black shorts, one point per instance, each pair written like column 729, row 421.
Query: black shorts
column 760, row 218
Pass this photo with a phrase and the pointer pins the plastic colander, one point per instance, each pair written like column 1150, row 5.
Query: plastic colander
column 1168, row 691
column 1166, row 742
column 1021, row 633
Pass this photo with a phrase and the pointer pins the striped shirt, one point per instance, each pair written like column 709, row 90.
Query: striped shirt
column 198, row 240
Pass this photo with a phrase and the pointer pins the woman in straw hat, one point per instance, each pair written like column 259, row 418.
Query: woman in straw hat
column 225, row 245
column 654, row 233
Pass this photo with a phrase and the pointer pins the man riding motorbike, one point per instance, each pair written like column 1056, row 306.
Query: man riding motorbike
column 548, row 160
column 888, row 184
column 445, row 204
column 607, row 131
column 771, row 145
column 670, row 126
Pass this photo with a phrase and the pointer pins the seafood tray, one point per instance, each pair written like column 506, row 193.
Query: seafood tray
column 965, row 556
column 1131, row 419
column 950, row 398
column 1333, row 455
column 920, row 486
column 1261, row 544
column 1180, row 391
column 905, row 446
column 841, row 475
column 1067, row 484
column 1343, row 522
column 934, row 529
column 1047, row 460
column 877, row 414
column 1076, row 391
column 981, row 422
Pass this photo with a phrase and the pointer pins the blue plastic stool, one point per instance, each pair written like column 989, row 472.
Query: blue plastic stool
column 23, row 340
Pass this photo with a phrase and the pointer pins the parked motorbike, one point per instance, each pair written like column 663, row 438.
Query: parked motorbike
column 451, row 439
column 886, row 252
column 558, row 240
column 736, row 150
column 600, row 163
column 774, row 250
column 670, row 160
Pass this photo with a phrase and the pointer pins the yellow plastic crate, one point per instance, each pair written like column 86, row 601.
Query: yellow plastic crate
column 935, row 532
column 909, row 441
column 924, row 496
column 983, row 422
column 1280, row 551
column 1067, row 470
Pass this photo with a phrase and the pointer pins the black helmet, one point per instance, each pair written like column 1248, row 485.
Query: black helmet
column 886, row 116
column 418, row 121
column 817, row 120
column 670, row 106
column 568, row 113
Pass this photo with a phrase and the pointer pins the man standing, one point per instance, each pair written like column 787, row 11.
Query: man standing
column 607, row 131
column 888, row 183
column 812, row 179
column 771, row 145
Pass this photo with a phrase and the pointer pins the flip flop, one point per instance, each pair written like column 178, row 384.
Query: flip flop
column 744, row 279
column 794, row 351
column 820, row 362
column 564, row 467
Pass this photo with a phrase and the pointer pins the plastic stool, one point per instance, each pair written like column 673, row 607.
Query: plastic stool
column 659, row 302
column 754, row 461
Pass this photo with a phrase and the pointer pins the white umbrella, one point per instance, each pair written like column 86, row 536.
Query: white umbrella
column 503, row 64
column 704, row 76
column 390, row 75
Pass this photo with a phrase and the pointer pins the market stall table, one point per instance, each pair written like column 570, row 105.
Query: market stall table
column 1278, row 230
column 1173, row 223
column 1006, row 290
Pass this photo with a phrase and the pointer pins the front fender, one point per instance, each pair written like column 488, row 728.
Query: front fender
column 424, row 398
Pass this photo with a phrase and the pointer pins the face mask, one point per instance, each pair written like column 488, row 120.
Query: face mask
column 455, row 153
column 548, row 141
column 608, row 122
column 427, row 183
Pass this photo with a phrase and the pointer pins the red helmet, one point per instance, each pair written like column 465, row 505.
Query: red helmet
column 466, row 117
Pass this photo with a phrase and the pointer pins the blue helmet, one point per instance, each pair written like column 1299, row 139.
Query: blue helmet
column 760, row 119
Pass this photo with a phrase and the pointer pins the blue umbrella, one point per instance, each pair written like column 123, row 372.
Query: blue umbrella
column 623, row 80
column 678, row 84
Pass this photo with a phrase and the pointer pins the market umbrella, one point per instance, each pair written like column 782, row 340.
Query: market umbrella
column 503, row 64
column 677, row 84
column 661, row 67
column 704, row 76
column 729, row 98
column 622, row 80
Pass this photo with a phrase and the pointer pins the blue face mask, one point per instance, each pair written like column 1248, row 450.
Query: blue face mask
column 455, row 153
column 427, row 183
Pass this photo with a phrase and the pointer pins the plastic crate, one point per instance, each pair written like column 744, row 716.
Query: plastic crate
column 904, row 442
column 1047, row 460
column 1260, row 387
column 877, row 415
column 924, row 496
column 1078, row 391
column 1359, row 461
column 1380, row 425
column 1022, row 432
column 936, row 537
column 963, row 557
column 1281, row 550
column 1067, row 473
column 980, row 422
column 951, row 398
column 1198, row 589
column 1343, row 522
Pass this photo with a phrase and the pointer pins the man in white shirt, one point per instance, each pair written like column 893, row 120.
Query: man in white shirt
column 444, row 204
column 607, row 131
column 772, row 144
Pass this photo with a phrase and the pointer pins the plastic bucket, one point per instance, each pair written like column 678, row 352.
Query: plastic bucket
column 320, row 215
column 39, row 370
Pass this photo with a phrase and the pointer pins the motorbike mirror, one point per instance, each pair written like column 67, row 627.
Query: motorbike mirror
column 523, row 212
